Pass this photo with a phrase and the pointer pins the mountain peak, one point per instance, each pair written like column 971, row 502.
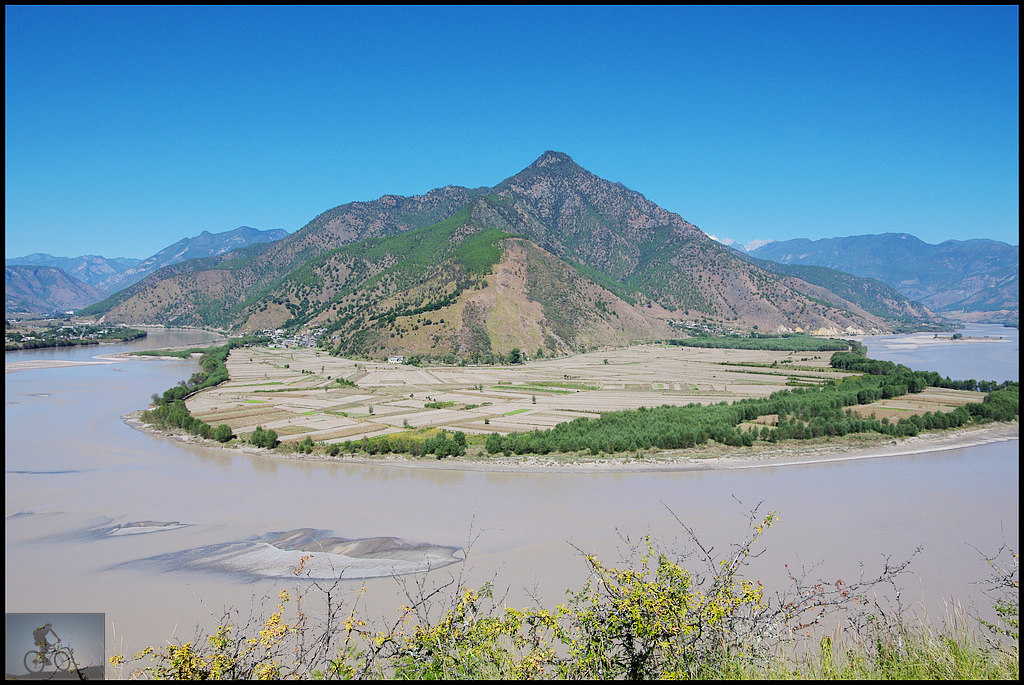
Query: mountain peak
column 551, row 158
column 550, row 165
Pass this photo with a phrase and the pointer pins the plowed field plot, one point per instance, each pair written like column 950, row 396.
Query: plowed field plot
column 930, row 400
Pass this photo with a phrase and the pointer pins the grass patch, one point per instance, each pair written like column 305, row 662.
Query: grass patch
column 291, row 430
column 515, row 411
column 564, row 384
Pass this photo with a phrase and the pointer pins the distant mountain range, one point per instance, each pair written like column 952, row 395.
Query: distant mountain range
column 954, row 277
column 553, row 258
column 93, row 270
column 108, row 275
column 206, row 244
column 742, row 247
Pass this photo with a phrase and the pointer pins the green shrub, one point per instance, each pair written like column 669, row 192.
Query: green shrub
column 263, row 438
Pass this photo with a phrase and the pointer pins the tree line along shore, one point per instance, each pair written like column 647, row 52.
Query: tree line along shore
column 66, row 335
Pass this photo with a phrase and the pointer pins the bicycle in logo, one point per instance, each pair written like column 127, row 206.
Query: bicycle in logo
column 60, row 656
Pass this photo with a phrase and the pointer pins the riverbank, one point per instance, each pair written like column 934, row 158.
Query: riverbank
column 703, row 458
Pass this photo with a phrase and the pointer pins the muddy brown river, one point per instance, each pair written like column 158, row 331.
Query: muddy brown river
column 161, row 536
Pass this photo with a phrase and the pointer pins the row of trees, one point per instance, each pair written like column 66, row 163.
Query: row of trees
column 70, row 336
column 213, row 368
column 856, row 361
column 515, row 356
column 794, row 343
column 441, row 445
column 213, row 371
column 175, row 415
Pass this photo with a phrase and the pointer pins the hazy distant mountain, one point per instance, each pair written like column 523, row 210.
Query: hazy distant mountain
column 107, row 275
column 738, row 246
column 873, row 295
column 953, row 276
column 44, row 290
column 206, row 244
column 111, row 274
column 553, row 257
column 91, row 269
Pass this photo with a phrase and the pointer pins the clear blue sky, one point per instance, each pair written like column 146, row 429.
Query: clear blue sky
column 130, row 128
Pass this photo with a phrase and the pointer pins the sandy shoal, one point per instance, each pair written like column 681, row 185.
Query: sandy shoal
column 913, row 342
column 35, row 364
column 14, row 367
column 109, row 358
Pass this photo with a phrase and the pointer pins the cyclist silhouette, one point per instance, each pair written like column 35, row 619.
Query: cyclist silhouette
column 39, row 635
